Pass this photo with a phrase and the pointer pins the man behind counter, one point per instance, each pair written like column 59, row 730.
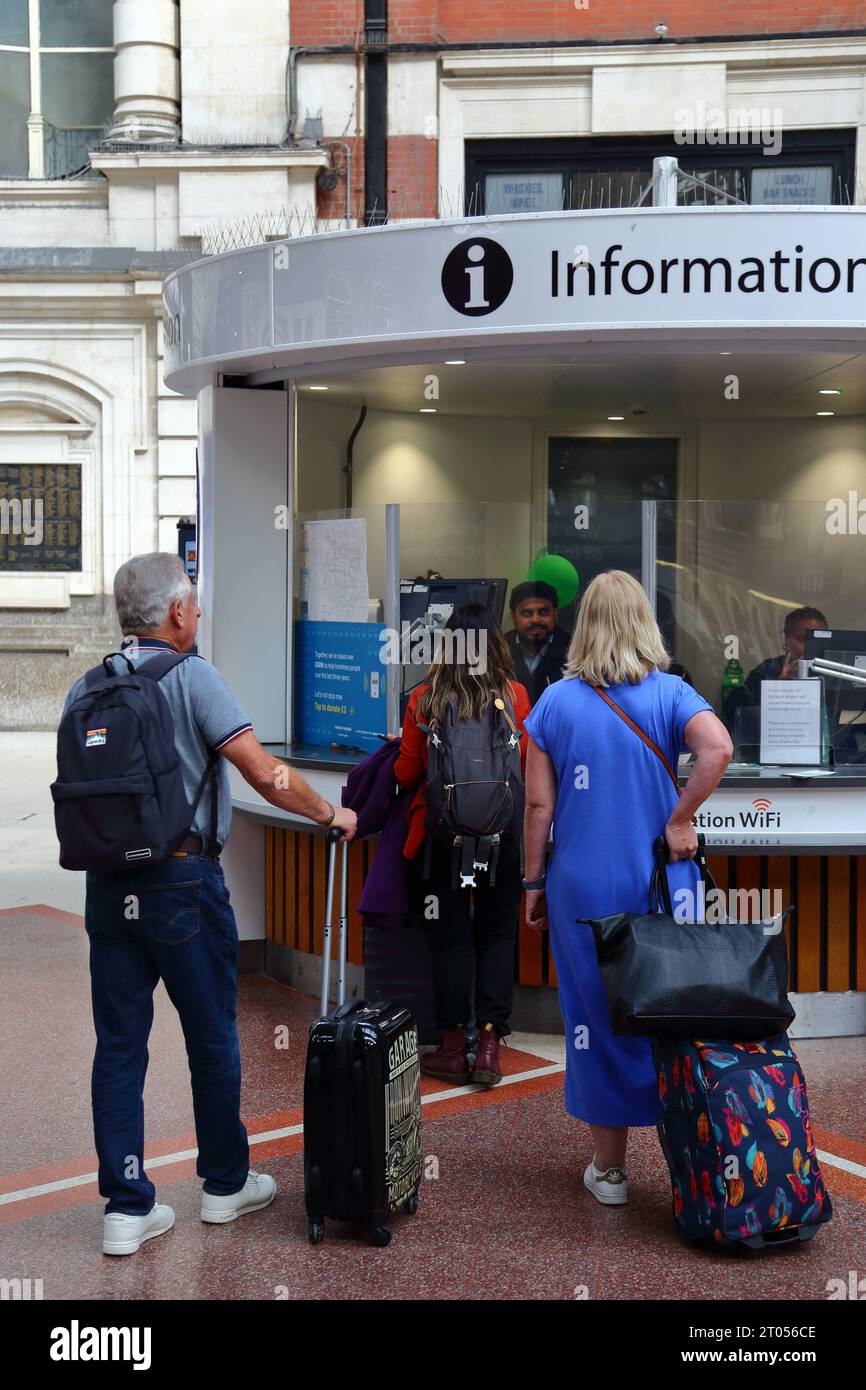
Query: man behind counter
column 798, row 624
column 538, row 647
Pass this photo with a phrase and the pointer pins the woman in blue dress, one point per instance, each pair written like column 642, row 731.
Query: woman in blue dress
column 608, row 796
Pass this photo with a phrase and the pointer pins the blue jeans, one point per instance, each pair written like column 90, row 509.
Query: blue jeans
column 173, row 922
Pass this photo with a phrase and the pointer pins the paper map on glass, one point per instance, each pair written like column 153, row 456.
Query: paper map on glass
column 334, row 571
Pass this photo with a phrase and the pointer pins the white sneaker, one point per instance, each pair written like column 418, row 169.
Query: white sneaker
column 259, row 1191
column 122, row 1235
column 609, row 1187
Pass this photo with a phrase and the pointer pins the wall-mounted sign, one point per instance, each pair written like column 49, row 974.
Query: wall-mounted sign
column 341, row 296
column 40, row 517
column 819, row 814
column 780, row 184
column 340, row 685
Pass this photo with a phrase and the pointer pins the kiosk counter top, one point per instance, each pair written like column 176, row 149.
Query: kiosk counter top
column 802, row 837
column 754, row 809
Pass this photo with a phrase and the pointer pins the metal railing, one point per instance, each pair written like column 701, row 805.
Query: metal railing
column 67, row 148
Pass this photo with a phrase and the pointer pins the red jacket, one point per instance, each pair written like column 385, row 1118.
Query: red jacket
column 411, row 766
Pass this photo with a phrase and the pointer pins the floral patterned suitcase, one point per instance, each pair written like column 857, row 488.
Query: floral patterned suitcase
column 734, row 1127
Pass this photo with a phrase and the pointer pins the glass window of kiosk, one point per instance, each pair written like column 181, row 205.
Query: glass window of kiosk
column 841, row 660
column 750, row 581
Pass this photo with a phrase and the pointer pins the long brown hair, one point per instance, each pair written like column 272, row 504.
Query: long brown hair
column 475, row 665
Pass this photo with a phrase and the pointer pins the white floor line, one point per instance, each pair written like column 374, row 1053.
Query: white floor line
column 846, row 1164
column 266, row 1136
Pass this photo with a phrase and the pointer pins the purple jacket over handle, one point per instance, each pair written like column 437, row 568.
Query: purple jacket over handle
column 381, row 807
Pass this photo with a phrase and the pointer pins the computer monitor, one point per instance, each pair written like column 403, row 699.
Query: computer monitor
column 427, row 604
column 837, row 644
column 433, row 599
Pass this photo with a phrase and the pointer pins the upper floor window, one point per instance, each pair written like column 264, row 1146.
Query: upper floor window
column 56, row 84
column 803, row 167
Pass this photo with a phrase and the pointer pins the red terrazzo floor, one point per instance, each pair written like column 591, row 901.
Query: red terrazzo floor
column 506, row 1218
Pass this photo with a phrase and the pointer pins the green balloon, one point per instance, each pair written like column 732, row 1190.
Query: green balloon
column 559, row 573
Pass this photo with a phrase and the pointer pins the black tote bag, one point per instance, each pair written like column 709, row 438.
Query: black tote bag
column 669, row 979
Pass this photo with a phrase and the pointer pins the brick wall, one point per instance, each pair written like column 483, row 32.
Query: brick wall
column 333, row 204
column 473, row 21
column 412, row 176
column 412, row 179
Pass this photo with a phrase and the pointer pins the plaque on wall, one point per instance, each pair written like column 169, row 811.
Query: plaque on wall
column 40, row 516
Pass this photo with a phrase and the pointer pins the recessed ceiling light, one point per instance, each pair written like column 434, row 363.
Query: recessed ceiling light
column 829, row 391
column 616, row 417
column 317, row 388
column 427, row 410
column 455, row 361
column 725, row 354
column 825, row 412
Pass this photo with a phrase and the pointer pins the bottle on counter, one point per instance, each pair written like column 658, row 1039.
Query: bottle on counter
column 826, row 746
column 733, row 676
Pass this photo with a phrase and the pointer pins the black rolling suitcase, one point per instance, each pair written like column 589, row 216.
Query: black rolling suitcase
column 362, row 1100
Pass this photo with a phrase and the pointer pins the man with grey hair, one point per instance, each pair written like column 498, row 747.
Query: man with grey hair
column 183, row 929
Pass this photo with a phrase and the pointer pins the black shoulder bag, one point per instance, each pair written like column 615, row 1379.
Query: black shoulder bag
column 664, row 977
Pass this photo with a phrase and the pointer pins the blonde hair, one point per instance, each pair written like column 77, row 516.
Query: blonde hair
column 616, row 639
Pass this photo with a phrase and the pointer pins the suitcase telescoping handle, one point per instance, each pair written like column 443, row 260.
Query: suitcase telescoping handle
column 333, row 838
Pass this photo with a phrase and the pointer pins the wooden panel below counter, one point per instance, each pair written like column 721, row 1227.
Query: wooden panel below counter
column 826, row 935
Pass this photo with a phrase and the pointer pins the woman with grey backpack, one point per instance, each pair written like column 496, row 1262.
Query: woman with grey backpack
column 462, row 752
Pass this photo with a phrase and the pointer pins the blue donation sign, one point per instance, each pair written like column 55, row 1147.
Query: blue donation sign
column 340, row 684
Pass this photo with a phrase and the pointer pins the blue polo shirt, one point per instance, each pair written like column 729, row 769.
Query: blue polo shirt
column 206, row 715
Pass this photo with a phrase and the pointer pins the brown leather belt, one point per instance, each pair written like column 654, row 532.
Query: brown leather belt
column 193, row 844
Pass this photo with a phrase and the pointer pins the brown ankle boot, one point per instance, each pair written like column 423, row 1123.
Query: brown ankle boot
column 448, row 1062
column 487, row 1070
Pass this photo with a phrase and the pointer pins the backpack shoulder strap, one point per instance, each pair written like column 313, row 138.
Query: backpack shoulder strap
column 155, row 668
column 502, row 708
column 158, row 666
column 641, row 735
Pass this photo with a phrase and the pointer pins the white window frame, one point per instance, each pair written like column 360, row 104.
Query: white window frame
column 36, row 120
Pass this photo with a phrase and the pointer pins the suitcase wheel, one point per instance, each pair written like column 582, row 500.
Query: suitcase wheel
column 410, row 1206
column 316, row 1232
column 380, row 1235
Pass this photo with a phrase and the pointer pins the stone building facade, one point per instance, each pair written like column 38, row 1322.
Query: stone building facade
column 134, row 134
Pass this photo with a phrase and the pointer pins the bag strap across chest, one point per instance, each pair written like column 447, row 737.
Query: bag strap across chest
column 645, row 738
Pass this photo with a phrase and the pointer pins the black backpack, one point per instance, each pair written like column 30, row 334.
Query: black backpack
column 474, row 788
column 119, row 798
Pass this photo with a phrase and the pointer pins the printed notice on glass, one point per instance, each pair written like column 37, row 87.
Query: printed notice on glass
column 791, row 721
column 333, row 587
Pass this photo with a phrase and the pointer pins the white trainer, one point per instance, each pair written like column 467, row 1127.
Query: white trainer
column 258, row 1191
column 609, row 1187
column 122, row 1235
